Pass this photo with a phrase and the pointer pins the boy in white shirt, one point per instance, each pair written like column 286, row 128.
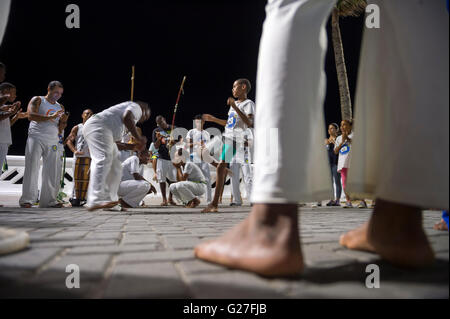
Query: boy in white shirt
column 240, row 117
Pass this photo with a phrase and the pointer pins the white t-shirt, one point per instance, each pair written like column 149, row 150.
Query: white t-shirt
column 46, row 131
column 131, row 166
column 344, row 153
column 197, row 136
column 112, row 118
column 195, row 173
column 5, row 132
column 235, row 125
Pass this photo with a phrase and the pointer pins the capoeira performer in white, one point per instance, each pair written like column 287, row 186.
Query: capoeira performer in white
column 196, row 140
column 77, row 144
column 191, row 181
column 240, row 117
column 48, row 119
column 242, row 162
column 101, row 132
column 10, row 114
column 134, row 187
column 402, row 96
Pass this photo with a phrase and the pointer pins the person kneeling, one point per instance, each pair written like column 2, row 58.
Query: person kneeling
column 191, row 182
column 133, row 187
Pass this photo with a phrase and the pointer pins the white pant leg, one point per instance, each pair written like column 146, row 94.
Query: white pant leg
column 235, row 182
column 49, row 182
column 401, row 146
column 290, row 93
column 3, row 153
column 103, row 152
column 33, row 153
column 247, row 174
column 204, row 167
column 187, row 191
column 133, row 192
column 174, row 190
column 115, row 174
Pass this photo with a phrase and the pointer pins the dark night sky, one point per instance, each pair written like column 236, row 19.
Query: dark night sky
column 212, row 42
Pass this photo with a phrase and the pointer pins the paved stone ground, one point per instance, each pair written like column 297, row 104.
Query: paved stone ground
column 147, row 253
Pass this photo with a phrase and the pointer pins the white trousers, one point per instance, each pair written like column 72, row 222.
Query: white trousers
column 204, row 167
column 3, row 152
column 133, row 192
column 34, row 150
column 106, row 168
column 165, row 169
column 401, row 147
column 401, row 105
column 289, row 122
column 187, row 191
column 247, row 176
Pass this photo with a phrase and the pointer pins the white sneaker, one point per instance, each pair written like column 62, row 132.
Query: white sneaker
column 12, row 240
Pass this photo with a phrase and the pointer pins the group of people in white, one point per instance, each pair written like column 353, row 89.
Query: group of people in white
column 110, row 153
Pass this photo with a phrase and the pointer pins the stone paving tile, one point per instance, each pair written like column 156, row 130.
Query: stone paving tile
column 153, row 280
column 155, row 256
column 231, row 284
column 72, row 243
column 114, row 249
column 29, row 259
column 181, row 242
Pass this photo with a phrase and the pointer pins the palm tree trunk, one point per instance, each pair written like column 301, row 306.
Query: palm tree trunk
column 344, row 91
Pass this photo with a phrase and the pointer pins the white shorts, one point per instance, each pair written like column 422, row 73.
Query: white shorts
column 165, row 169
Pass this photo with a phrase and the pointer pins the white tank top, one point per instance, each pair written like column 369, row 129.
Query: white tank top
column 46, row 131
column 81, row 144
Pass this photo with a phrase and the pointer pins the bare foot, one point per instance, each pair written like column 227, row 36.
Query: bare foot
column 357, row 239
column 266, row 243
column 164, row 203
column 442, row 225
column 103, row 206
column 193, row 203
column 395, row 232
column 26, row 205
column 210, row 209
column 172, row 202
column 124, row 204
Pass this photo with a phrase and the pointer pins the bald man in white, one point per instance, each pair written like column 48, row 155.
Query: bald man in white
column 103, row 132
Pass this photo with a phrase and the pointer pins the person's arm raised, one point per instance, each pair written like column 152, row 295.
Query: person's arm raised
column 211, row 118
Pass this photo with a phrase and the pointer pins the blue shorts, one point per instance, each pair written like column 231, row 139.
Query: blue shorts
column 228, row 151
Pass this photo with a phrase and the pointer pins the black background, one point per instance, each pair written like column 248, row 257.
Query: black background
column 211, row 42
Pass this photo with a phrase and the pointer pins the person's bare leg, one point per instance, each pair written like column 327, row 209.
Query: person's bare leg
column 267, row 242
column 162, row 186
column 395, row 232
column 220, row 180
